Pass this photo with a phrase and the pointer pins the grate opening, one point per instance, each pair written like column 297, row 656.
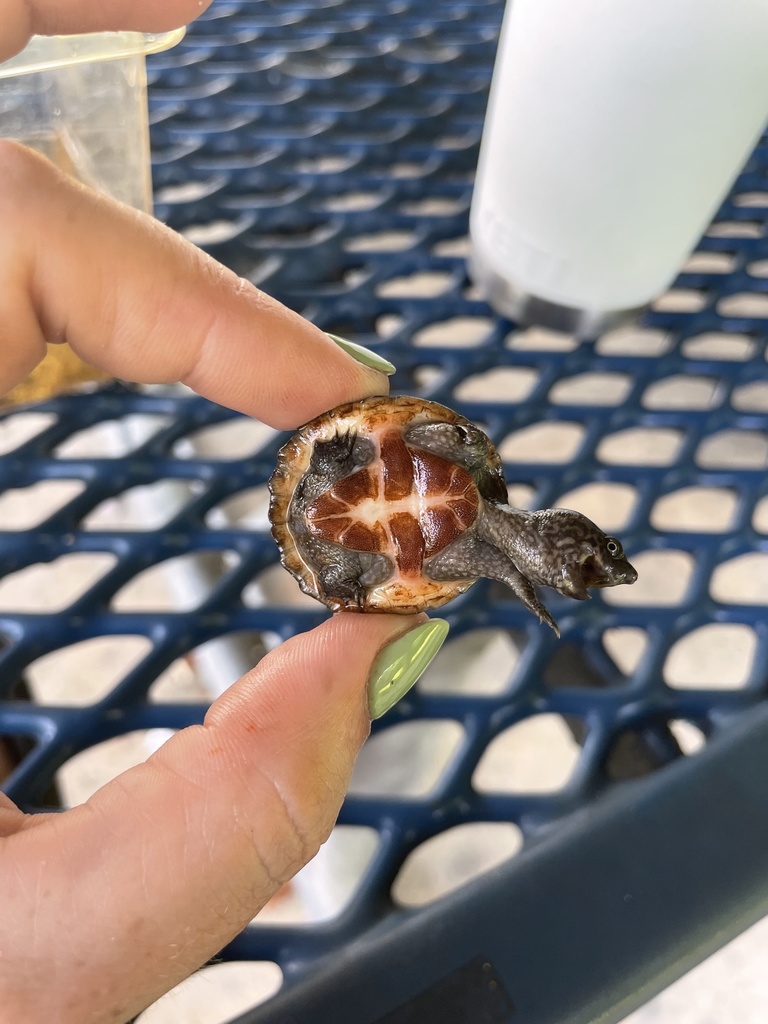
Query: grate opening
column 246, row 510
column 521, row 496
column 481, row 662
column 733, row 449
column 695, row 510
column 389, row 324
column 458, row 332
column 663, row 580
column 87, row 771
column 208, row 669
column 554, row 442
column 750, row 397
column 113, row 438
column 537, row 755
column 22, row 508
column 760, row 516
column 237, row 438
column 735, row 229
column 502, row 384
column 85, row 672
column 457, row 248
column 751, row 199
column 17, row 429
column 423, row 284
column 451, row 859
column 690, row 738
column 571, row 666
column 47, row 587
column 146, row 507
column 731, row 347
column 681, row 392
column 591, row 389
column 406, row 760
column 709, row 263
column 381, row 241
column 634, row 341
column 179, row 584
column 746, row 304
column 539, row 339
column 639, row 751
column 741, row 580
column 641, row 446
column 718, row 656
column 626, row 645
column 276, row 587
column 681, row 300
column 353, row 202
column 327, row 885
column 217, row 993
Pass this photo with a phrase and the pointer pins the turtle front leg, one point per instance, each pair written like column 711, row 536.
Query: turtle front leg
column 469, row 557
column 332, row 460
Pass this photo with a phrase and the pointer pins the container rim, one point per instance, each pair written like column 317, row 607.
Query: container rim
column 47, row 53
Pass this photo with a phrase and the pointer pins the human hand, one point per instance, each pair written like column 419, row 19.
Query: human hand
column 110, row 904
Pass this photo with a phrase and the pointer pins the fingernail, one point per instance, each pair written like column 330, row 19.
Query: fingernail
column 364, row 355
column 400, row 664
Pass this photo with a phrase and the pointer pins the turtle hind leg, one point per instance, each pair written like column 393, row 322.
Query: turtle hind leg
column 340, row 588
column 343, row 576
column 469, row 557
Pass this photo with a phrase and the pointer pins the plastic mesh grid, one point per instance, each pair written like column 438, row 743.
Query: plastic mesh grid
column 327, row 153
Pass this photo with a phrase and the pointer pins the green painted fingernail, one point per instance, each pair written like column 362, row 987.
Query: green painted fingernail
column 364, row 355
column 401, row 663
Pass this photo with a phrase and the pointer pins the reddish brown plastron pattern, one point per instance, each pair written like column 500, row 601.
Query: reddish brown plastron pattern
column 411, row 505
column 457, row 503
column 396, row 466
column 371, row 418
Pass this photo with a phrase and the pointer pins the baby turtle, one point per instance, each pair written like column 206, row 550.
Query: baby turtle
column 399, row 504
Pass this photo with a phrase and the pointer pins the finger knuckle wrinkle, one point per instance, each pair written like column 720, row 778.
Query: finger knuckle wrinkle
column 294, row 840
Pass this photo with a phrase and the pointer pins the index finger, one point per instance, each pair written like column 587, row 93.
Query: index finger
column 140, row 302
column 24, row 18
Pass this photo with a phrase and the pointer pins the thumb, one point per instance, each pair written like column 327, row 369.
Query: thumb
column 167, row 863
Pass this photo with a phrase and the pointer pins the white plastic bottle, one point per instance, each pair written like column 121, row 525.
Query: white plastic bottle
column 614, row 130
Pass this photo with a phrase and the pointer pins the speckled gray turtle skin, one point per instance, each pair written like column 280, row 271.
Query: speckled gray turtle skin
column 400, row 504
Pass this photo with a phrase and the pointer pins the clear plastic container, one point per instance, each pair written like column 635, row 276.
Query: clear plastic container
column 82, row 101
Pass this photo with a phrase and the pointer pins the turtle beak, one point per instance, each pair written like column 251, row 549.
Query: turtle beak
column 596, row 573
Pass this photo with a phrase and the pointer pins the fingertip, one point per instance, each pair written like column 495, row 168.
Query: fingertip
column 312, row 674
column 16, row 31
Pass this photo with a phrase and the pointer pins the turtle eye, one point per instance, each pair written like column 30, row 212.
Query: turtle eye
column 614, row 548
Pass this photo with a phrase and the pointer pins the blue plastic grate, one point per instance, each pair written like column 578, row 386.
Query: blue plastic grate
column 327, row 152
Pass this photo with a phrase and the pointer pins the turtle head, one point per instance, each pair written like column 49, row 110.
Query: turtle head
column 578, row 554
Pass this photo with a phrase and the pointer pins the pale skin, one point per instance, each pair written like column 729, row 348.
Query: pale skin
column 110, row 904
